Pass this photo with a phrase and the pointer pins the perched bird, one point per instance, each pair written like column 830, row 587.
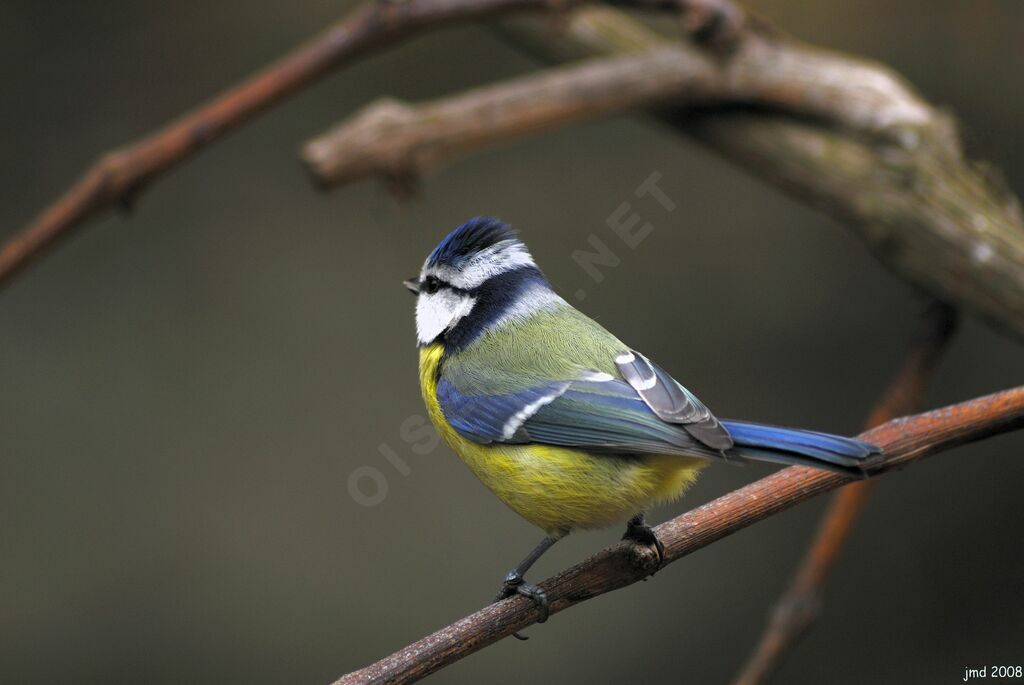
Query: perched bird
column 570, row 427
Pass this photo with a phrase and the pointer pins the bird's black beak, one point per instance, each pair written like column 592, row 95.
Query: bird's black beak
column 413, row 284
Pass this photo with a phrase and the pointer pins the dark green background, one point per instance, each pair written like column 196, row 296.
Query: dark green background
column 186, row 389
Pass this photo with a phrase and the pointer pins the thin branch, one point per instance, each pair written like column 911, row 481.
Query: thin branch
column 399, row 140
column 904, row 440
column 118, row 176
column 801, row 604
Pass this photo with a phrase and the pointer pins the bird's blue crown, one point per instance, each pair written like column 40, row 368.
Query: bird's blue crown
column 480, row 277
column 469, row 239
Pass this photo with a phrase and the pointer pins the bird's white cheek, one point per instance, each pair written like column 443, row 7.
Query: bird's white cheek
column 437, row 312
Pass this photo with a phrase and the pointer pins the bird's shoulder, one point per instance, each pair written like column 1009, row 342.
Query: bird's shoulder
column 559, row 344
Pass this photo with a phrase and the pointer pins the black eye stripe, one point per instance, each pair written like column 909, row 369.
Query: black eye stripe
column 431, row 284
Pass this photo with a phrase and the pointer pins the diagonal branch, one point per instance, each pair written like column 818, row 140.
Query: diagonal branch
column 118, row 176
column 904, row 440
column 800, row 605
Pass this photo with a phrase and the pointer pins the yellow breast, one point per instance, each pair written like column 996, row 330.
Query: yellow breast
column 558, row 488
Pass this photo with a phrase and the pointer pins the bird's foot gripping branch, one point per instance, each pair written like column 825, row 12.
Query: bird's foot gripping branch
column 904, row 441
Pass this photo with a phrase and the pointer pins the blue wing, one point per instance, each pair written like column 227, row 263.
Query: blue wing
column 493, row 418
column 605, row 414
column 597, row 412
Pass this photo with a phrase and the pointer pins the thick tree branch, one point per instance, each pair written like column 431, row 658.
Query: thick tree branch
column 801, row 604
column 904, row 440
column 398, row 140
column 873, row 153
column 844, row 134
column 933, row 217
column 120, row 175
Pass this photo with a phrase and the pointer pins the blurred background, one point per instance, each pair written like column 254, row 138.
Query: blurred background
column 188, row 388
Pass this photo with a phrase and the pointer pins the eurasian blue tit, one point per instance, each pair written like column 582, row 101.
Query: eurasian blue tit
column 570, row 427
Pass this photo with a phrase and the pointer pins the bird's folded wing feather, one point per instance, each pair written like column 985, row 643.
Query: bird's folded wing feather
column 512, row 387
column 671, row 401
column 604, row 415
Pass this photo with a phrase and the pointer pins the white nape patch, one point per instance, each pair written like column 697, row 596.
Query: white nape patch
column 597, row 376
column 440, row 311
column 499, row 258
column 625, row 358
column 520, row 417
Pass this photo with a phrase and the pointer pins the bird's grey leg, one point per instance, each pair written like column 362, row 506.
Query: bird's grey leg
column 515, row 584
column 637, row 530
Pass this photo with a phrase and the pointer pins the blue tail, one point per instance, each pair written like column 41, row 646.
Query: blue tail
column 806, row 448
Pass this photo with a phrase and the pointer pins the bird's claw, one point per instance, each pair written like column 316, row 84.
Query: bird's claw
column 643, row 534
column 515, row 585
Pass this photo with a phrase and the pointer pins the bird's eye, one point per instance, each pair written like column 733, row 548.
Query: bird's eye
column 431, row 285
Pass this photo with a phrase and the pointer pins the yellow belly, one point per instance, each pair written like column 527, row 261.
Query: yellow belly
column 558, row 488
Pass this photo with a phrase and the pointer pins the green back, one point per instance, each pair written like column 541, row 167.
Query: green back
column 552, row 345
